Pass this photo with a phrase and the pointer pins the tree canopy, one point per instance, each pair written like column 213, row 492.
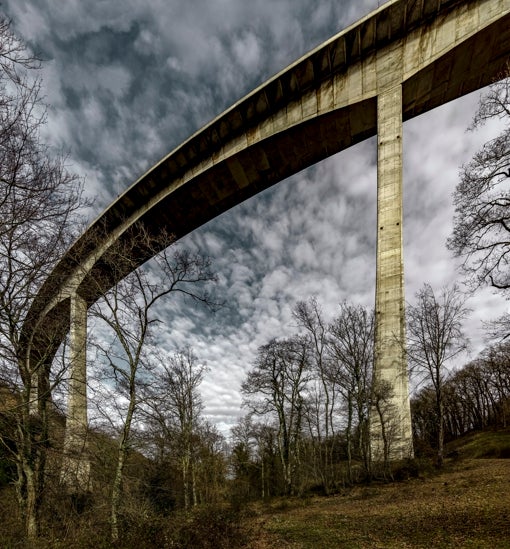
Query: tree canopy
column 481, row 233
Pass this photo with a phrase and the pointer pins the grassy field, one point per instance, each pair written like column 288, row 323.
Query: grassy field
column 465, row 505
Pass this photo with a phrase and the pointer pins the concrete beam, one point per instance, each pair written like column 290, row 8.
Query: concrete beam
column 323, row 103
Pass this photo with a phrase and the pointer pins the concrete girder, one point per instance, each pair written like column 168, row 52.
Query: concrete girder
column 436, row 50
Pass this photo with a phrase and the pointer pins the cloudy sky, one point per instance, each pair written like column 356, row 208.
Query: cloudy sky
column 128, row 81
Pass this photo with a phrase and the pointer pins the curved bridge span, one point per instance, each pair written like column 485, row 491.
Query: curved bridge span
column 400, row 61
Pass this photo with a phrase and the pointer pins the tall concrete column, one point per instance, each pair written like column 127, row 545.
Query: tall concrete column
column 390, row 368
column 76, row 465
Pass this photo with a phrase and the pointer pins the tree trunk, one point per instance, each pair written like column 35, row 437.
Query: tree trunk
column 440, row 429
column 32, row 518
column 117, row 481
column 31, row 457
column 194, row 485
column 384, row 435
column 185, row 481
column 263, row 493
column 283, row 442
column 349, row 439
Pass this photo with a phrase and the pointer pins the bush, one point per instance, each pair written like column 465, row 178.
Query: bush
column 211, row 527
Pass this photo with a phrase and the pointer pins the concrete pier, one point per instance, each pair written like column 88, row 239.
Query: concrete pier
column 390, row 368
column 403, row 59
column 75, row 471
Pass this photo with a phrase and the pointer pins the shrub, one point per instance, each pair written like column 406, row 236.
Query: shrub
column 211, row 527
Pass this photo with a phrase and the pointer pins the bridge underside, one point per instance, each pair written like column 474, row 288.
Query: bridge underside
column 475, row 63
column 428, row 52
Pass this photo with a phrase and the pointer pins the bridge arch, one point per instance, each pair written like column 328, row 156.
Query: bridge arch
column 401, row 60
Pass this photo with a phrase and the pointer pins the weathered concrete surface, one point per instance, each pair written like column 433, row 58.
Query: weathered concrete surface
column 390, row 368
column 75, row 471
column 436, row 50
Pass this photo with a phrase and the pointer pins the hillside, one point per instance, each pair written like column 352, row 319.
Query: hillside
column 466, row 505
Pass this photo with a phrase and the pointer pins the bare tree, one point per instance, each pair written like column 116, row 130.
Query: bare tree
column 321, row 403
column 351, row 346
column 497, row 364
column 482, row 198
column 210, row 464
column 245, row 469
column 276, row 386
column 128, row 310
column 176, row 407
column 477, row 396
column 434, row 338
column 253, row 456
column 382, row 403
column 38, row 202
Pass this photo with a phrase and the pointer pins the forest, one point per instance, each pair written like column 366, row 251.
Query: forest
column 151, row 470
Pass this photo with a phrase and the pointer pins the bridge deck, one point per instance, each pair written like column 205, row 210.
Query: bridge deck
column 321, row 104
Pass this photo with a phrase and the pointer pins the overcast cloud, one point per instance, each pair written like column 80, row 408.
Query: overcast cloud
column 128, row 81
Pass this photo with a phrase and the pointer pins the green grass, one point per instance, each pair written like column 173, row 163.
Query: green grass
column 484, row 444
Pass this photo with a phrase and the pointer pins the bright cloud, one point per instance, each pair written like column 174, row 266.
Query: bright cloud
column 128, row 81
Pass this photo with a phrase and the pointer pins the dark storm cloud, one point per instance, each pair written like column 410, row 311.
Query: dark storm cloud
column 128, row 81
column 135, row 79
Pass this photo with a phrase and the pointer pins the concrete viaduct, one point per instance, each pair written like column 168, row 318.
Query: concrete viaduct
column 401, row 60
